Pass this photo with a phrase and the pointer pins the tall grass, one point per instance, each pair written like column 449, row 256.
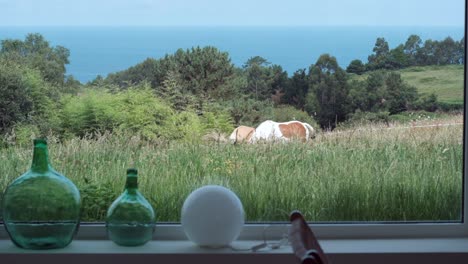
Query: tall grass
column 365, row 174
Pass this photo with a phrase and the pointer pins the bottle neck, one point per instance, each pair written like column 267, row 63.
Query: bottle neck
column 131, row 184
column 40, row 161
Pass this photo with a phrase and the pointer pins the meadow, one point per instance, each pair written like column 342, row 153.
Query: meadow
column 444, row 81
column 365, row 173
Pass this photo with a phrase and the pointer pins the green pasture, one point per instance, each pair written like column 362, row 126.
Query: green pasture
column 445, row 81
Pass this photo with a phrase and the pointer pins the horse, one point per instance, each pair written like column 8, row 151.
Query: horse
column 241, row 134
column 284, row 131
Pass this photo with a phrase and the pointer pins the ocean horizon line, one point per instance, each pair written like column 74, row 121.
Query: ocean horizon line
column 234, row 26
column 100, row 50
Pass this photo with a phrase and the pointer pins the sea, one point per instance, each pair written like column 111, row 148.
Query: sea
column 102, row 50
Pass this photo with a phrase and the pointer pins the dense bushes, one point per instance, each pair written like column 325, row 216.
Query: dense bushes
column 136, row 110
column 26, row 98
column 360, row 117
column 286, row 113
column 16, row 103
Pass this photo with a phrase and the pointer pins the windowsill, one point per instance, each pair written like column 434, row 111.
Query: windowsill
column 451, row 250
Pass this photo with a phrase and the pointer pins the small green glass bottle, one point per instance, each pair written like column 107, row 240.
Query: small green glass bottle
column 130, row 219
column 41, row 208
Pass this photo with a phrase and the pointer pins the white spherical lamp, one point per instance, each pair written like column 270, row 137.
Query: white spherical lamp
column 212, row 216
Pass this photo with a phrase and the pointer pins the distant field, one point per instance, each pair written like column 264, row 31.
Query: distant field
column 370, row 173
column 445, row 81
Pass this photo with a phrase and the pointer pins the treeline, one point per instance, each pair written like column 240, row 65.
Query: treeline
column 412, row 53
column 184, row 95
column 324, row 90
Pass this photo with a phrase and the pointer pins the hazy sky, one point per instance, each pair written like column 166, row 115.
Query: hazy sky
column 234, row 12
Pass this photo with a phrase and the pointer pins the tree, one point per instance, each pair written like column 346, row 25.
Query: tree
column 446, row 52
column 427, row 54
column 172, row 92
column 460, row 54
column 411, row 48
column 397, row 58
column 257, row 77
column 356, row 66
column 263, row 79
column 428, row 103
column 233, row 87
column 248, row 111
column 202, row 70
column 279, row 82
column 328, row 83
column 381, row 51
column 357, row 96
column 375, row 92
column 26, row 97
column 150, row 70
column 16, row 103
column 400, row 96
column 312, row 105
column 256, row 60
column 296, row 91
column 36, row 53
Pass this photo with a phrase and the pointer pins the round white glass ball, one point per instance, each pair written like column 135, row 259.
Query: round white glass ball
column 212, row 216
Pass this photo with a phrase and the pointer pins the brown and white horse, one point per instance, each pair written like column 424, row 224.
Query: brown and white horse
column 241, row 134
column 286, row 131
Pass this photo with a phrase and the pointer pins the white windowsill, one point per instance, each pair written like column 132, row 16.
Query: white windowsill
column 439, row 250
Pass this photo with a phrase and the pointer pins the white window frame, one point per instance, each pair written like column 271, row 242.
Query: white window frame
column 343, row 231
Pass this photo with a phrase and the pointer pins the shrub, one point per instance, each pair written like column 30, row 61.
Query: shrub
column 428, row 103
column 138, row 111
column 406, row 117
column 286, row 113
column 135, row 110
column 91, row 112
column 359, row 118
column 450, row 107
column 217, row 122
column 16, row 103
column 96, row 199
column 250, row 112
column 357, row 67
column 188, row 126
column 25, row 133
column 141, row 111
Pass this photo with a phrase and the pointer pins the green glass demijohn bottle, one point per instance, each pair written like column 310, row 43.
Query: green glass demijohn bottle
column 131, row 219
column 41, row 208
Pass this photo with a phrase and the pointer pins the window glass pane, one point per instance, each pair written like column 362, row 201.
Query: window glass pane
column 161, row 86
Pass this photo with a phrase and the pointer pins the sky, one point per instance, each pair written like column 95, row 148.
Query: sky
column 231, row 13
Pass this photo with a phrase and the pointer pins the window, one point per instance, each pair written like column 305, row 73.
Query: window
column 382, row 85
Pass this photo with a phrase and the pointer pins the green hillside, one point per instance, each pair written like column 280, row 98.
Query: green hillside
column 445, row 81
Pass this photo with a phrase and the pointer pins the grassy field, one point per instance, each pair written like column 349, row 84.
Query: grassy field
column 368, row 174
column 445, row 81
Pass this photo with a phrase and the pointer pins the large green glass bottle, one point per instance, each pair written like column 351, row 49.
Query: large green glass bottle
column 41, row 208
column 130, row 219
